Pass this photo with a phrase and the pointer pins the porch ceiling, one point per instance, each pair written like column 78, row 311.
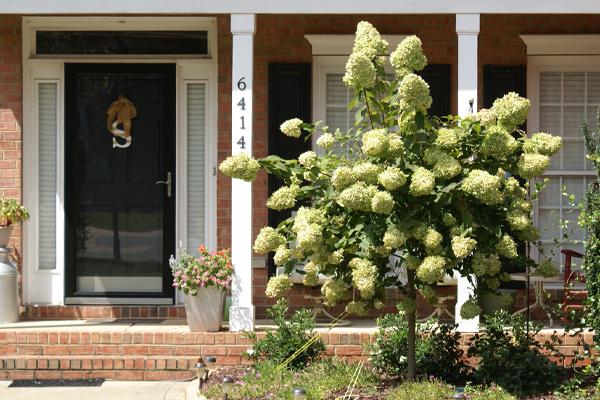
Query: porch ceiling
column 299, row 7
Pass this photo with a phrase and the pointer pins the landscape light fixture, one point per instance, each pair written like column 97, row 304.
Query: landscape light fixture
column 299, row 394
column 202, row 373
column 227, row 386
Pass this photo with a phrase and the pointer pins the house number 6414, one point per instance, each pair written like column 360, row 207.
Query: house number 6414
column 241, row 85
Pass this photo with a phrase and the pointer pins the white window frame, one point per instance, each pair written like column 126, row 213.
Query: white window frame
column 47, row 286
column 558, row 61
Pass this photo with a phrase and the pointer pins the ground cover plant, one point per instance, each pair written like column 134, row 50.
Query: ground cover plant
column 402, row 198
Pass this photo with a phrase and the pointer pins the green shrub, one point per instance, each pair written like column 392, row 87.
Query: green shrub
column 438, row 353
column 590, row 218
column 291, row 335
column 513, row 358
column 425, row 390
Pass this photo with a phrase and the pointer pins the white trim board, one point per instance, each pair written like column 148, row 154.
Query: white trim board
column 341, row 45
column 299, row 7
column 47, row 286
column 562, row 44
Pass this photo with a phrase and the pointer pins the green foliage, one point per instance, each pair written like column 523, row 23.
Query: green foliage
column 487, row 393
column 291, row 335
column 11, row 212
column 425, row 390
column 513, row 359
column 438, row 353
column 320, row 379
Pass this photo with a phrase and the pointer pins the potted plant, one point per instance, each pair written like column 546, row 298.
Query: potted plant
column 204, row 280
column 11, row 213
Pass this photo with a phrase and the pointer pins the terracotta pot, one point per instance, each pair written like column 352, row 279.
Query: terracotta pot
column 205, row 310
column 5, row 232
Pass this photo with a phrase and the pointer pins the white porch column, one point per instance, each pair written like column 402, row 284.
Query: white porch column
column 467, row 29
column 241, row 313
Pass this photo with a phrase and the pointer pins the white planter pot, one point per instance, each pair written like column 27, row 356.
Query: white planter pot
column 205, row 310
column 5, row 235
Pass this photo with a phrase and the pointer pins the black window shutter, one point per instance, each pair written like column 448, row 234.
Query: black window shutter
column 289, row 97
column 501, row 79
column 497, row 81
column 438, row 77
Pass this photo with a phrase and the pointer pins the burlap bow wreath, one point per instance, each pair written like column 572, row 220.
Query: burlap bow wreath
column 120, row 112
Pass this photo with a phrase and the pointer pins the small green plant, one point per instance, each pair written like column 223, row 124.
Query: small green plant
column 424, row 390
column 11, row 212
column 513, row 358
column 438, row 353
column 487, row 393
column 290, row 336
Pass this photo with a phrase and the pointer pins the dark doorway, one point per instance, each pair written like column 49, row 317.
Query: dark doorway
column 119, row 179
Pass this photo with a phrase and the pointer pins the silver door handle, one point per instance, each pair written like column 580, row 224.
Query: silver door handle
column 168, row 182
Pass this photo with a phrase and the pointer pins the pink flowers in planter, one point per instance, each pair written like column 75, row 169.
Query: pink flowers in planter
column 208, row 269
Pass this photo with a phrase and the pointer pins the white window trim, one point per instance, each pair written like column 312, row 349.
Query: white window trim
column 552, row 63
column 47, row 286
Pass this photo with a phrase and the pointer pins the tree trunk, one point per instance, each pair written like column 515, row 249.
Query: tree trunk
column 412, row 326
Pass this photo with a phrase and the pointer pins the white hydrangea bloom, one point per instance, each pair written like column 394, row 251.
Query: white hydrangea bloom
column 268, row 240
column 422, row 182
column 542, row 143
column 462, row 247
column 357, row 197
column 326, row 141
column 532, row 165
column 393, row 238
column 283, row 198
column 375, row 143
column 360, row 72
column 308, row 159
column 432, row 269
column 382, row 203
column 414, row 94
column 278, row 286
column 392, row 178
column 240, row 166
column 366, row 172
column 511, row 110
column 292, row 127
column 342, row 177
column 408, row 56
column 483, row 186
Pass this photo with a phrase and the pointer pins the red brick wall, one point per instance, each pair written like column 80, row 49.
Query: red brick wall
column 11, row 108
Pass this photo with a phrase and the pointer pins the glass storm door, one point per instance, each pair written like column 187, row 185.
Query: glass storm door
column 119, row 179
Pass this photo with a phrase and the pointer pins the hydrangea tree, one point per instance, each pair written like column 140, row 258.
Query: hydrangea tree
column 401, row 191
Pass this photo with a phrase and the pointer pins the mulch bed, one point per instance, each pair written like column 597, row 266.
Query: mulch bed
column 238, row 372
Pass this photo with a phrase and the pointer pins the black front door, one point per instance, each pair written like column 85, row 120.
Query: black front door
column 119, row 179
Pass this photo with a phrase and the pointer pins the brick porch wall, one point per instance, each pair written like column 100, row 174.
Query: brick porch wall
column 148, row 355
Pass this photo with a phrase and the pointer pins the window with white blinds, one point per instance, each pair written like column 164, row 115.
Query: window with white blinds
column 47, row 134
column 567, row 99
column 196, row 175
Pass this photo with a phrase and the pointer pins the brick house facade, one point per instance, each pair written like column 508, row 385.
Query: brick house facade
column 281, row 38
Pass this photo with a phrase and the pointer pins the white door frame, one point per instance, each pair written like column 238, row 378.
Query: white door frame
column 47, row 286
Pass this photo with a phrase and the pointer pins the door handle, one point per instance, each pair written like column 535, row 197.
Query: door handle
column 168, row 182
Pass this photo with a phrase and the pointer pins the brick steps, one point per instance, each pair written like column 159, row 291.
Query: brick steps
column 107, row 367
